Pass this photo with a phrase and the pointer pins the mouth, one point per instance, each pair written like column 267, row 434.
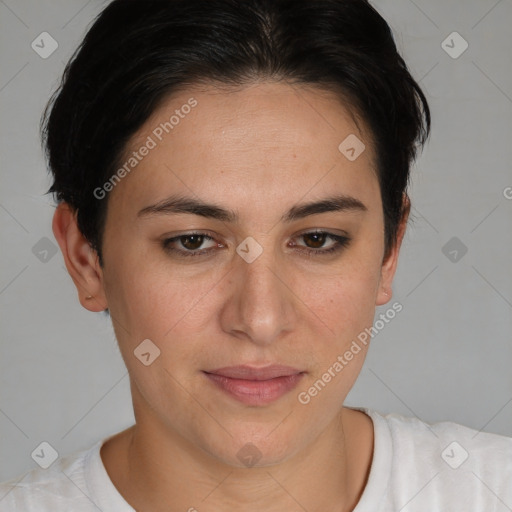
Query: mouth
column 255, row 386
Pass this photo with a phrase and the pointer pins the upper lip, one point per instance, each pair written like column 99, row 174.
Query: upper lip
column 248, row 372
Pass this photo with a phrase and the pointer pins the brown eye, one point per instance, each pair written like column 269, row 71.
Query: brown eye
column 315, row 240
column 192, row 242
column 318, row 243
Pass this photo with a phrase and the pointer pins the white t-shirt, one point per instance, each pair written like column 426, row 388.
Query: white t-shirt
column 416, row 467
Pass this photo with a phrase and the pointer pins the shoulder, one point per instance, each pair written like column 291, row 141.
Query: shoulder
column 444, row 463
column 61, row 485
column 450, row 444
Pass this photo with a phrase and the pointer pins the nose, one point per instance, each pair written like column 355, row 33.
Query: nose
column 261, row 305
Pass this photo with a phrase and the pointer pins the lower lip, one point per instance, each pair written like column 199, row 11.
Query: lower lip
column 256, row 392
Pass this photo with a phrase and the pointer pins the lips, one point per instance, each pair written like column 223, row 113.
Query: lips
column 255, row 386
column 247, row 372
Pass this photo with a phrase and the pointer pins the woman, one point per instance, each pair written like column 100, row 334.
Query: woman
column 231, row 179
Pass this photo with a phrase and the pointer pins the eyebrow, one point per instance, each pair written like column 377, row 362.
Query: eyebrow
column 189, row 205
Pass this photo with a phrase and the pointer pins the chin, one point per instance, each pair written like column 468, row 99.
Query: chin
column 263, row 446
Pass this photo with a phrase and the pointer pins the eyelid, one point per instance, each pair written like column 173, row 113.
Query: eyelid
column 325, row 231
column 169, row 240
column 341, row 241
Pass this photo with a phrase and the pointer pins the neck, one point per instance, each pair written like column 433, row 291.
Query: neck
column 155, row 469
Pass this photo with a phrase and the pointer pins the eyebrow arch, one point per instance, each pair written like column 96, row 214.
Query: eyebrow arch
column 188, row 205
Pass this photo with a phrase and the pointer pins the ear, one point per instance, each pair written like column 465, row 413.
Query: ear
column 390, row 262
column 81, row 259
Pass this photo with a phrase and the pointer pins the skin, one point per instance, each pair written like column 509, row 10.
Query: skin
column 257, row 150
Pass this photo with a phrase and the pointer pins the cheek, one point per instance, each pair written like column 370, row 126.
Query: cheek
column 346, row 306
column 347, row 313
column 153, row 299
column 173, row 312
column 345, row 302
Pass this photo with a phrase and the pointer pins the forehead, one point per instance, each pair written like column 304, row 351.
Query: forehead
column 251, row 142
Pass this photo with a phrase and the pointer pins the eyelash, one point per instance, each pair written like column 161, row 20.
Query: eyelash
column 341, row 243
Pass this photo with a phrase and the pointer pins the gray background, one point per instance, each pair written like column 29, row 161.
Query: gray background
column 446, row 356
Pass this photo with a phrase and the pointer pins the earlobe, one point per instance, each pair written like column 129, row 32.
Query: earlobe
column 81, row 259
column 389, row 265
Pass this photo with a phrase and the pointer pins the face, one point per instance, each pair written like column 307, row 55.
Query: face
column 254, row 278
